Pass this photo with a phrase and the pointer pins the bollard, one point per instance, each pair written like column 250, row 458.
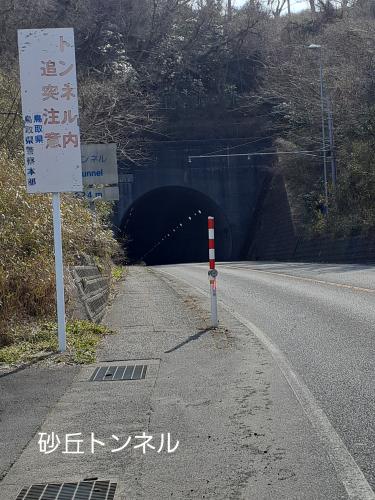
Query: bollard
column 212, row 273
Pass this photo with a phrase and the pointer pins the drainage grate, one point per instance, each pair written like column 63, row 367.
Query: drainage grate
column 129, row 372
column 85, row 490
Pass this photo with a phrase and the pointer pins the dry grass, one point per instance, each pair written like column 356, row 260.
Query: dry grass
column 27, row 279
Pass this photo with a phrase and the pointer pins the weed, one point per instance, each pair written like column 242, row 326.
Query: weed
column 118, row 273
column 82, row 337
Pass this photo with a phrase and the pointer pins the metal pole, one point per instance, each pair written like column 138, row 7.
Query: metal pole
column 323, row 131
column 212, row 273
column 214, row 319
column 59, row 271
column 331, row 143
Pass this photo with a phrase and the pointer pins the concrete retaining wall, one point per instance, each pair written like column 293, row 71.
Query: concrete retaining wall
column 90, row 294
column 357, row 249
column 277, row 236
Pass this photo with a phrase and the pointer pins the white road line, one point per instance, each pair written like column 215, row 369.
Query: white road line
column 302, row 278
column 346, row 468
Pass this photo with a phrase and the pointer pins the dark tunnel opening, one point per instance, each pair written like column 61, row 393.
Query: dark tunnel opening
column 169, row 225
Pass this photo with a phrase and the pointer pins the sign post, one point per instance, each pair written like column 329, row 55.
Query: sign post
column 51, row 131
column 212, row 273
column 59, row 267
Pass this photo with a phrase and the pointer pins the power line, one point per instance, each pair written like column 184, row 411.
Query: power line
column 307, row 153
column 259, row 139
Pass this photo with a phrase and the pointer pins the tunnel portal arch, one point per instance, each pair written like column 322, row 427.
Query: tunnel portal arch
column 182, row 213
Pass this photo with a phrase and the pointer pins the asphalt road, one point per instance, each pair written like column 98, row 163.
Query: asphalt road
column 26, row 397
column 322, row 317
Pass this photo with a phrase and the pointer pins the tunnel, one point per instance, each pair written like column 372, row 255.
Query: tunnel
column 169, row 225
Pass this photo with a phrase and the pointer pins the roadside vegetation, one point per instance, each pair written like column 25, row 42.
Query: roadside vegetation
column 40, row 341
column 118, row 273
column 27, row 274
column 346, row 32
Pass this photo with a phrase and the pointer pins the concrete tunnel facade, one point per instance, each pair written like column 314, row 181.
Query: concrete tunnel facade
column 175, row 196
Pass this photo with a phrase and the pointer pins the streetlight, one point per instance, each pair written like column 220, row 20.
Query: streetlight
column 319, row 47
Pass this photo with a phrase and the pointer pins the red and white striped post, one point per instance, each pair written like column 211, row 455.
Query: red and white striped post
column 212, row 273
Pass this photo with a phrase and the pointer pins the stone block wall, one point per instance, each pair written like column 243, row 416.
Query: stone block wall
column 90, row 294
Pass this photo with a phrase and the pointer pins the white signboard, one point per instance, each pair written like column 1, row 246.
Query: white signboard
column 50, row 110
column 106, row 193
column 99, row 164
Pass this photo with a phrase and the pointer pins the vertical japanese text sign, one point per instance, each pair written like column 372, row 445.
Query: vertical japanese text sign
column 50, row 110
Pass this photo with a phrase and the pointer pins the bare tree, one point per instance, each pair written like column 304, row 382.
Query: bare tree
column 277, row 6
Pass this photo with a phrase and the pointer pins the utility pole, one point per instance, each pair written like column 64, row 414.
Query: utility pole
column 331, row 143
column 229, row 10
column 319, row 47
column 323, row 131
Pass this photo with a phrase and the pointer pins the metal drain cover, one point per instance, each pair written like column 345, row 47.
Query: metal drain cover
column 85, row 490
column 127, row 372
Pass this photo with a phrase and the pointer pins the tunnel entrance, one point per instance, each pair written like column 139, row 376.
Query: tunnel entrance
column 169, row 225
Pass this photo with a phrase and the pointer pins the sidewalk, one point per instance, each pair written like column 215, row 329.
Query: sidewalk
column 241, row 432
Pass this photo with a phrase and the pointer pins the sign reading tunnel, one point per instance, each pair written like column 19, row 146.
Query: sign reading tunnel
column 99, row 164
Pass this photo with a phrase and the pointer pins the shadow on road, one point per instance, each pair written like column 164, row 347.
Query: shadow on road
column 196, row 336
